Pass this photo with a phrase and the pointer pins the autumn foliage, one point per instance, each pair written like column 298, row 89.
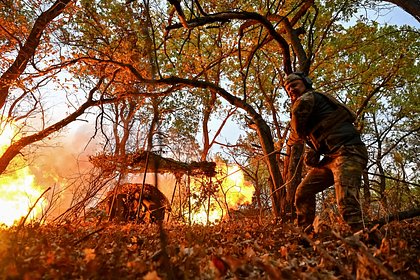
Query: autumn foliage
column 156, row 76
column 248, row 248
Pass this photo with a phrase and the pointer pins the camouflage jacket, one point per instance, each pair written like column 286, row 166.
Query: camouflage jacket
column 322, row 122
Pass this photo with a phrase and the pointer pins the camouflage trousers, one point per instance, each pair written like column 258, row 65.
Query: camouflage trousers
column 343, row 169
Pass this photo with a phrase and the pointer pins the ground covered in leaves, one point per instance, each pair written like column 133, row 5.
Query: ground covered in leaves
column 242, row 249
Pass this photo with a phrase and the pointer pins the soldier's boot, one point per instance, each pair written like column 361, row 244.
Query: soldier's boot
column 305, row 221
column 353, row 218
column 305, row 224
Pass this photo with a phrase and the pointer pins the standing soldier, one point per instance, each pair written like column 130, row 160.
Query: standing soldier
column 326, row 125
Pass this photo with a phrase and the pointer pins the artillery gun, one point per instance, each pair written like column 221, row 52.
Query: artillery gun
column 122, row 203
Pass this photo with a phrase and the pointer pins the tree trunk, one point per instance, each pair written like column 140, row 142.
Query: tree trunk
column 278, row 194
column 410, row 6
column 293, row 175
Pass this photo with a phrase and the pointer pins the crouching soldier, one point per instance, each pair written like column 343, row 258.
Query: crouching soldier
column 154, row 203
column 116, row 206
column 125, row 205
column 326, row 125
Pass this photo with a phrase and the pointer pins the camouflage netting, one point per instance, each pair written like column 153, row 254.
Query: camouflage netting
column 136, row 163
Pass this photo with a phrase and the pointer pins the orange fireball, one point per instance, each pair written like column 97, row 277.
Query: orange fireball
column 233, row 191
column 18, row 191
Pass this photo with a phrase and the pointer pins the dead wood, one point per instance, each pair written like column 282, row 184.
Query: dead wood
column 360, row 247
column 136, row 163
column 397, row 217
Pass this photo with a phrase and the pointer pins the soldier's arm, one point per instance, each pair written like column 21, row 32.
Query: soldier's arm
column 301, row 112
column 294, row 138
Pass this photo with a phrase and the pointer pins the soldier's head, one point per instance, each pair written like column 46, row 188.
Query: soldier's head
column 296, row 84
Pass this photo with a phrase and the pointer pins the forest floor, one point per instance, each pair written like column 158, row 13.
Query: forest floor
column 247, row 248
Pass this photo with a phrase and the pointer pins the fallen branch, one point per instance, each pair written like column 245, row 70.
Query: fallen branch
column 360, row 247
column 324, row 253
column 88, row 235
column 397, row 217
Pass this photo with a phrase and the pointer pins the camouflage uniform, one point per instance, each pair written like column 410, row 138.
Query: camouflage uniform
column 326, row 125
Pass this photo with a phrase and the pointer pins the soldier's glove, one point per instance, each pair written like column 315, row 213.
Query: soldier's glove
column 312, row 158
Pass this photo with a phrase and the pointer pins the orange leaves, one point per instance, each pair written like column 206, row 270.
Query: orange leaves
column 152, row 275
column 89, row 254
column 283, row 251
column 220, row 265
column 10, row 271
column 243, row 249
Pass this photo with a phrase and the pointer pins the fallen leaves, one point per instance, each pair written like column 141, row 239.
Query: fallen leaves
column 89, row 254
column 243, row 249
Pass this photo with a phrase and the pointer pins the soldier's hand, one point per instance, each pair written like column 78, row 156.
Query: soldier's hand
column 312, row 158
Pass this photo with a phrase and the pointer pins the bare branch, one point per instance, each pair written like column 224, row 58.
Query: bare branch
column 27, row 52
